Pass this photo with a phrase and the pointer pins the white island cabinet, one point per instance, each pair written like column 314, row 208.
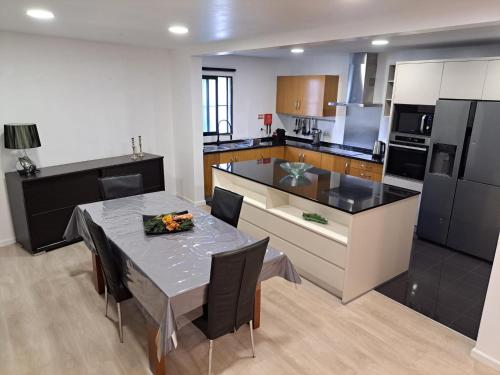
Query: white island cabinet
column 366, row 242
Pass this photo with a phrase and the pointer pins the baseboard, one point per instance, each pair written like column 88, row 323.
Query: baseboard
column 7, row 242
column 486, row 359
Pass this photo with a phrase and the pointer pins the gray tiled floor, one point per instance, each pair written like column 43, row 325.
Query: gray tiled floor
column 447, row 286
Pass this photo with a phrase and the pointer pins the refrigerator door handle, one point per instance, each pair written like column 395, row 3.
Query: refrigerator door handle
column 422, row 123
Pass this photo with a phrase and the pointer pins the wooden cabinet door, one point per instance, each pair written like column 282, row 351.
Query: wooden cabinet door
column 226, row 157
column 312, row 95
column 288, row 92
column 367, row 175
column 492, row 81
column 327, row 162
column 208, row 161
column 312, row 157
column 463, row 79
column 277, row 152
column 342, row 165
column 252, row 154
column 418, row 83
column 292, row 153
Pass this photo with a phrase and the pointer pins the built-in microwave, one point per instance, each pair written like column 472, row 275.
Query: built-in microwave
column 413, row 119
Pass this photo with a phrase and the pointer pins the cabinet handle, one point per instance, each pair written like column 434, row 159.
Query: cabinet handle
column 299, row 103
column 261, row 156
column 346, row 167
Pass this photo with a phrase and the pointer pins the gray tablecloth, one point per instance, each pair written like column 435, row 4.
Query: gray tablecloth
column 168, row 274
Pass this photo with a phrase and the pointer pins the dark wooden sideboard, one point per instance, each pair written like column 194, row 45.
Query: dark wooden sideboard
column 42, row 205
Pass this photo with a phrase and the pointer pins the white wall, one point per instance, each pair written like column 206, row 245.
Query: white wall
column 254, row 90
column 87, row 99
column 187, row 126
column 487, row 348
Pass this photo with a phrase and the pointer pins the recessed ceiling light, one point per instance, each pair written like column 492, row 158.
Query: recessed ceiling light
column 178, row 29
column 380, row 42
column 223, row 53
column 297, row 50
column 40, row 14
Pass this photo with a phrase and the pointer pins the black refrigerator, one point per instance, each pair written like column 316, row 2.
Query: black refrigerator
column 460, row 204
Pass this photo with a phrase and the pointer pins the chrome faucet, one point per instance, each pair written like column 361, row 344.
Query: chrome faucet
column 218, row 133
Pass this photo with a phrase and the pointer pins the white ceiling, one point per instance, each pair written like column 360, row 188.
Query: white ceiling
column 440, row 39
column 144, row 22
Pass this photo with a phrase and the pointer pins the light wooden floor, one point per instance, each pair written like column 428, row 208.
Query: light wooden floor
column 52, row 322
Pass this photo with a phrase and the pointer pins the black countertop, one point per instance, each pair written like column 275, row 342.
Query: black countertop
column 327, row 148
column 346, row 193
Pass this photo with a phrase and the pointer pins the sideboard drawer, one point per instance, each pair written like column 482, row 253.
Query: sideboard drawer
column 61, row 191
column 151, row 170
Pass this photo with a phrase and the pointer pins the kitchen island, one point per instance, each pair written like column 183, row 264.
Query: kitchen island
column 366, row 241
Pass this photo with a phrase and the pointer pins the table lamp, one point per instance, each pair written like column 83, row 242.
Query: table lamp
column 21, row 137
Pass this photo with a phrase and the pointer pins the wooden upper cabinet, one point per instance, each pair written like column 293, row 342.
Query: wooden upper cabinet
column 492, row 81
column 463, row 79
column 306, row 95
column 418, row 83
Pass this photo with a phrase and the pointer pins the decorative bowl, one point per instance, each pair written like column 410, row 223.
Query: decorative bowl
column 295, row 169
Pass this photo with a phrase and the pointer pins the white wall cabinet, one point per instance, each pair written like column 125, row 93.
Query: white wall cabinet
column 492, row 81
column 418, row 83
column 463, row 79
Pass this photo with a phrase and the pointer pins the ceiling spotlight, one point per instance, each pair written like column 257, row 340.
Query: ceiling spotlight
column 380, row 42
column 297, row 50
column 223, row 53
column 178, row 29
column 40, row 14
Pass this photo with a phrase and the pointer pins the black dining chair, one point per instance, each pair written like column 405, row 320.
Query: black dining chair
column 226, row 206
column 231, row 293
column 110, row 266
column 120, row 186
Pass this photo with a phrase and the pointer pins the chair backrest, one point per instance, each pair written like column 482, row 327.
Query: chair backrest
column 231, row 292
column 120, row 186
column 226, row 206
column 109, row 261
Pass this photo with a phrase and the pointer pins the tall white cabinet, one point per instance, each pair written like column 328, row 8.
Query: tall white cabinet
column 418, row 82
column 424, row 82
column 463, row 79
column 492, row 81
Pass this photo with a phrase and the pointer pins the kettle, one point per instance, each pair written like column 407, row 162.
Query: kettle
column 378, row 149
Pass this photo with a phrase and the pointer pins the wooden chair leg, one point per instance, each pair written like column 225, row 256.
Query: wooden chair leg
column 97, row 275
column 156, row 366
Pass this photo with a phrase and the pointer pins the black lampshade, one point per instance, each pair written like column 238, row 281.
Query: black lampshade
column 21, row 136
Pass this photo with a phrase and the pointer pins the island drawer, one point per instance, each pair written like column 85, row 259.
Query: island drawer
column 313, row 268
column 323, row 247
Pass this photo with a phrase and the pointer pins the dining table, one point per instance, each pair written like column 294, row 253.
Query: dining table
column 167, row 274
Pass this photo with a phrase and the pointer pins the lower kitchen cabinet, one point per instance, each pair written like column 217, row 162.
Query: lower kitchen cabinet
column 298, row 154
column 208, row 161
column 353, row 167
column 339, row 164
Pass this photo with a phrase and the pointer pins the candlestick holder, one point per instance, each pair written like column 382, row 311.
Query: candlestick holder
column 141, row 154
column 134, row 154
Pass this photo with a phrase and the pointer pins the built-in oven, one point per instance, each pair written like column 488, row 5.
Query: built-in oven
column 407, row 156
column 413, row 119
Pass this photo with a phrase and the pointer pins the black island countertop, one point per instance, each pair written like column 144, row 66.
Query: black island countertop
column 325, row 147
column 343, row 192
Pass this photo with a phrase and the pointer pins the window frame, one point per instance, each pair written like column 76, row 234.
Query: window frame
column 230, row 104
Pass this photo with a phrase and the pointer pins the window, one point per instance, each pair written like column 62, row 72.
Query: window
column 217, row 99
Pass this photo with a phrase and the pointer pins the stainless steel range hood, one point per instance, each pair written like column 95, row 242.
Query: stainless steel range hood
column 361, row 81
